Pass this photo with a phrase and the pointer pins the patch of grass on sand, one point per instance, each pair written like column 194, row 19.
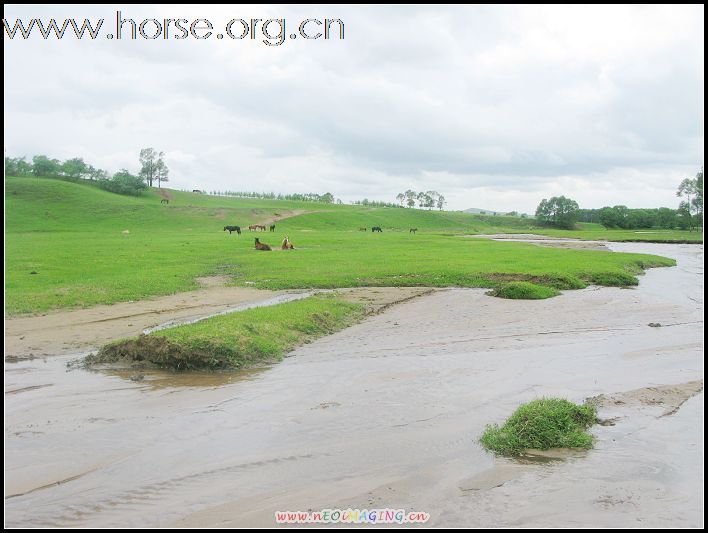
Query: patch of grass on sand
column 523, row 290
column 235, row 340
column 540, row 425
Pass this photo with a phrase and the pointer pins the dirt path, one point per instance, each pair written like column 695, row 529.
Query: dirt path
column 384, row 414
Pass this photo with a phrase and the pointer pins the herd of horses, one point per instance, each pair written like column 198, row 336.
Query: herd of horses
column 286, row 244
column 254, row 227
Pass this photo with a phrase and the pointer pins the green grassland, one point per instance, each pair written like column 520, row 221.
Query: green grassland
column 72, row 236
column 235, row 340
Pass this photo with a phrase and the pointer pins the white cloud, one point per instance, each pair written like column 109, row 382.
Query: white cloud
column 494, row 106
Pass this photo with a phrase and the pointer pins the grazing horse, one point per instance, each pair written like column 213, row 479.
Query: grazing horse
column 413, row 230
column 253, row 228
column 376, row 228
column 362, row 229
column 237, row 229
column 261, row 246
column 262, row 227
column 164, row 201
column 272, row 227
column 287, row 245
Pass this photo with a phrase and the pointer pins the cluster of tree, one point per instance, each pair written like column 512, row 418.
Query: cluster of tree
column 621, row 216
column 153, row 168
column 42, row 165
column 427, row 199
column 564, row 213
column 326, row 198
column 559, row 211
column 374, row 203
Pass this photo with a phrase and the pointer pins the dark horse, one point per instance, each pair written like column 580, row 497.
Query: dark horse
column 261, row 246
column 413, row 230
column 376, row 228
column 272, row 228
column 237, row 229
column 164, row 201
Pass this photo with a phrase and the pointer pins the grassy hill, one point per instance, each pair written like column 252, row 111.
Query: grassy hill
column 66, row 247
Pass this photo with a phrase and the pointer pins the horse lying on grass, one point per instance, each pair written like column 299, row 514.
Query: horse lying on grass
column 261, row 246
column 287, row 245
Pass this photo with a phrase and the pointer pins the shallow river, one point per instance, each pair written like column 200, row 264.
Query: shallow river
column 385, row 414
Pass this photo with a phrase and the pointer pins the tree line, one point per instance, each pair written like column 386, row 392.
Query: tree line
column 563, row 212
column 326, row 198
column 152, row 168
column 425, row 199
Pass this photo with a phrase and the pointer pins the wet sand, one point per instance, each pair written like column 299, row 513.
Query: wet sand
column 385, row 414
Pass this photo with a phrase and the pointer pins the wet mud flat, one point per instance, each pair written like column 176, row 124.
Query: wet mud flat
column 384, row 414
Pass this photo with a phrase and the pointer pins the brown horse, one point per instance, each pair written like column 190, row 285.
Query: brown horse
column 261, row 227
column 253, row 228
column 164, row 201
column 287, row 245
column 261, row 246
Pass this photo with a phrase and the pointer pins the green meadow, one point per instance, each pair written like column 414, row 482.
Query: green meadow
column 65, row 247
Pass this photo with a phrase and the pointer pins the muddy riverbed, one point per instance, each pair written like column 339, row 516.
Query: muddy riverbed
column 385, row 414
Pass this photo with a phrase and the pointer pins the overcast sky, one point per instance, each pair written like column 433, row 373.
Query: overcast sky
column 495, row 107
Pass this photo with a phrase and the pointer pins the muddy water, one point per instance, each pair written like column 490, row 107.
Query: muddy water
column 384, row 414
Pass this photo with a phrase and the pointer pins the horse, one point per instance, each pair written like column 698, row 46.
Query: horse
column 262, row 227
column 164, row 201
column 287, row 245
column 272, row 227
column 376, row 228
column 362, row 229
column 237, row 229
column 253, row 228
column 413, row 230
column 261, row 246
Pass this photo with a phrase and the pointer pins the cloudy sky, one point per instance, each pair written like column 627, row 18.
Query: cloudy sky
column 495, row 107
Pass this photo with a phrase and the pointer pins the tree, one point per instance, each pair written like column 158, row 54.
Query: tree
column 162, row 173
column 17, row 166
column 441, row 202
column 692, row 191
column 411, row 197
column 74, row 168
column 123, row 182
column 43, row 166
column 400, row 197
column 558, row 211
column 149, row 164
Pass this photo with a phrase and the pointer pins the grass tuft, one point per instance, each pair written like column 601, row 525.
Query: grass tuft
column 542, row 424
column 523, row 290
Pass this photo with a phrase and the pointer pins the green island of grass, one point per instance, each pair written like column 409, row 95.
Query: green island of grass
column 541, row 425
column 235, row 340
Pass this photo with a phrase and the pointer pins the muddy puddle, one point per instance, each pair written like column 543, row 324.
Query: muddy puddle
column 385, row 414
